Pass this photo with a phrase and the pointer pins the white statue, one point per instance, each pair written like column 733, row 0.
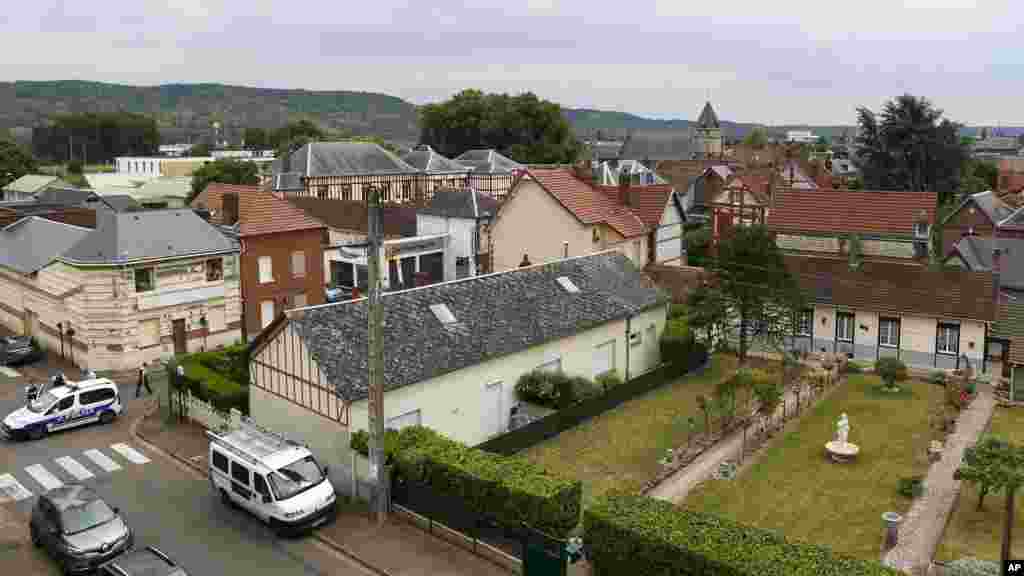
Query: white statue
column 842, row 428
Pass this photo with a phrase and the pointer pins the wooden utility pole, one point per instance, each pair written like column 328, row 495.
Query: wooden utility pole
column 375, row 356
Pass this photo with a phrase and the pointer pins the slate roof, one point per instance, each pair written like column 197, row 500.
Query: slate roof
column 424, row 158
column 152, row 234
column 659, row 144
column 33, row 242
column 351, row 215
column 487, row 161
column 976, row 252
column 31, row 183
column 993, row 207
column 708, row 118
column 496, row 315
column 261, row 212
column 336, row 159
column 458, row 203
column 66, row 195
column 605, row 150
column 839, row 211
column 588, row 204
column 890, row 287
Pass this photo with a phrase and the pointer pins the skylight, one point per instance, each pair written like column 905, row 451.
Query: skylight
column 443, row 314
column 567, row 284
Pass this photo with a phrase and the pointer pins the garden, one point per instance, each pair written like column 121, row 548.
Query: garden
column 219, row 377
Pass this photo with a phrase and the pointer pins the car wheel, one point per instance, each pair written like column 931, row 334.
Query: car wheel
column 106, row 417
column 225, row 499
column 37, row 432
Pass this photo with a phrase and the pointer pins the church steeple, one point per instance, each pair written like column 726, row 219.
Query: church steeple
column 709, row 133
column 708, row 118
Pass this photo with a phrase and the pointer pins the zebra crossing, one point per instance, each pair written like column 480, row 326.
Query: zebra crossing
column 40, row 478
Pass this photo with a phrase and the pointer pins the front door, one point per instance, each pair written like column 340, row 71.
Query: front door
column 180, row 346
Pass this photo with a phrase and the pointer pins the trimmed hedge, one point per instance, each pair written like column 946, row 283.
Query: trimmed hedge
column 512, row 490
column 554, row 389
column 219, row 377
column 360, row 442
column 677, row 344
column 633, row 534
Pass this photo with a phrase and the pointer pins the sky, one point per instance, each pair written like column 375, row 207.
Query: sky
column 782, row 62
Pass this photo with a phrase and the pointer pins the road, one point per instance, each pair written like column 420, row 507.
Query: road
column 167, row 504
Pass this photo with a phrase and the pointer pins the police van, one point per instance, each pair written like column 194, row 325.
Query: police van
column 68, row 405
column 272, row 477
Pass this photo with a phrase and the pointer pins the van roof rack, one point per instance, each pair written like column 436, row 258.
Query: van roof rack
column 252, row 442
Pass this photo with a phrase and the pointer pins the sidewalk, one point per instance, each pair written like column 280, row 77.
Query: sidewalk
column 923, row 525
column 395, row 549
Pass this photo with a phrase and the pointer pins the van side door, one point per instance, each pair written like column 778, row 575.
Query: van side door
column 241, row 484
column 59, row 416
column 262, row 498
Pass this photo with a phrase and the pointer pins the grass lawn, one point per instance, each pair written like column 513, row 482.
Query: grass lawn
column 621, row 448
column 794, row 489
column 980, row 534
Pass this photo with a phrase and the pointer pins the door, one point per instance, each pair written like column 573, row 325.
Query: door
column 262, row 500
column 241, row 488
column 61, row 414
column 180, row 346
column 492, row 424
column 604, row 358
column 92, row 403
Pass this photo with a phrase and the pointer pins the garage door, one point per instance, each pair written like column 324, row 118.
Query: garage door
column 604, row 358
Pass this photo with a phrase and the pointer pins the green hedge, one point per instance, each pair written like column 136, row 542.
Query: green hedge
column 677, row 345
column 510, row 489
column 632, row 534
column 554, row 389
column 360, row 442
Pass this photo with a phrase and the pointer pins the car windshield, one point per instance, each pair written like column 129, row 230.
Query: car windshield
column 44, row 402
column 296, row 477
column 89, row 515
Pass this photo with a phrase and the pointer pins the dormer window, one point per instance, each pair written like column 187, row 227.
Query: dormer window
column 567, row 284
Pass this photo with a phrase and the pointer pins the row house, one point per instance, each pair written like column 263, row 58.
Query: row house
column 139, row 287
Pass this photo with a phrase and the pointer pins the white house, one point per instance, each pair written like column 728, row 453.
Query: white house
column 453, row 351
column 464, row 215
column 403, row 260
column 802, row 136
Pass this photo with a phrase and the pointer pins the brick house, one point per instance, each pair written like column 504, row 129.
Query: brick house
column 221, row 201
column 282, row 258
column 1011, row 175
column 983, row 214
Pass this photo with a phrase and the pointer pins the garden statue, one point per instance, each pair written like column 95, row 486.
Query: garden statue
column 842, row 429
column 840, row 449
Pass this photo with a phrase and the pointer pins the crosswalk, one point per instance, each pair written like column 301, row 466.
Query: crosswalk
column 41, row 478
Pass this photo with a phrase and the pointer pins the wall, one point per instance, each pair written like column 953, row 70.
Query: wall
column 669, row 236
column 960, row 223
column 460, row 239
column 807, row 243
column 285, row 286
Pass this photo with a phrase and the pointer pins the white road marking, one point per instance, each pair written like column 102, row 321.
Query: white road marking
column 11, row 489
column 42, row 475
column 9, row 372
column 102, row 460
column 74, row 468
column 129, row 453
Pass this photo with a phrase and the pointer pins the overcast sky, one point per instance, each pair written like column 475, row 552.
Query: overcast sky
column 788, row 61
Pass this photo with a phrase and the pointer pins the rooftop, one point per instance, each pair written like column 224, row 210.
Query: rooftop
column 424, row 158
column 31, row 183
column 656, row 144
column 838, row 211
column 336, row 159
column 212, row 198
column 260, row 212
column 587, row 203
column 465, row 203
column 352, row 215
column 487, row 161
column 31, row 243
column 976, row 252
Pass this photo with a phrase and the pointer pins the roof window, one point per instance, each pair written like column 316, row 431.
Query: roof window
column 443, row 314
column 566, row 283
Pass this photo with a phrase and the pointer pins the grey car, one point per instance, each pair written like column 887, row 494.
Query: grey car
column 148, row 561
column 78, row 528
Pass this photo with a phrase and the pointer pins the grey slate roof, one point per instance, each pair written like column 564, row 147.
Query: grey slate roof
column 458, row 203
column 708, row 118
column 659, row 144
column 33, row 242
column 424, row 158
column 121, row 203
column 341, row 159
column 487, row 161
column 976, row 252
column 496, row 314
column 126, row 236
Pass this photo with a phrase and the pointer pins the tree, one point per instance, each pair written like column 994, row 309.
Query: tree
column 698, row 246
column 756, row 138
column 200, row 150
column 891, row 371
column 15, row 162
column 759, row 294
column 224, row 171
column 293, row 136
column 95, row 137
column 993, row 465
column 708, row 312
column 769, row 396
column 523, row 127
column 255, row 138
column 910, row 146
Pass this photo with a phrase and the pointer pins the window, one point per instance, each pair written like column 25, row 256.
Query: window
column 220, row 462
column 266, row 269
column 321, row 192
column 443, row 314
column 948, row 339
column 143, row 279
column 259, row 484
column 566, row 283
column 299, row 301
column 298, row 264
column 239, row 473
column 805, row 323
column 554, row 365
column 385, row 193
column 921, row 229
column 346, row 191
column 889, row 332
column 214, row 270
column 95, row 396
column 266, row 313
column 296, row 478
column 844, row 327
column 604, row 358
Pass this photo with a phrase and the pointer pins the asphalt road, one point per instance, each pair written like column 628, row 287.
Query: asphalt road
column 165, row 503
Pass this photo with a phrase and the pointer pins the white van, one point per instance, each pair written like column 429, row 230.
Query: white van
column 274, row 478
column 67, row 406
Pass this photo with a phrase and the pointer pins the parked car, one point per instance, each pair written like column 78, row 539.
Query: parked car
column 63, row 406
column 78, row 528
column 148, row 561
column 18, row 350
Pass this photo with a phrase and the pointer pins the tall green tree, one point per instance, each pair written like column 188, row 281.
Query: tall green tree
column 756, row 138
column 255, row 138
column 95, row 137
column 994, row 464
column 524, row 127
column 294, row 135
column 910, row 146
column 15, row 162
column 224, row 171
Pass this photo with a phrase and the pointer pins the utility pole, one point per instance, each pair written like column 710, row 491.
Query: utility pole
column 375, row 356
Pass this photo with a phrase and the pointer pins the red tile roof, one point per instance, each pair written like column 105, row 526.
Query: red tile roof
column 261, row 212
column 587, row 203
column 647, row 202
column 835, row 211
column 212, row 197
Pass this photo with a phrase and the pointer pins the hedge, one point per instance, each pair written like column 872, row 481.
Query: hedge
column 360, row 442
column 554, row 389
column 677, row 344
column 633, row 534
column 510, row 489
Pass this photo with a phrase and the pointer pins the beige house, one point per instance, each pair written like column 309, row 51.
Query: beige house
column 453, row 352
column 141, row 286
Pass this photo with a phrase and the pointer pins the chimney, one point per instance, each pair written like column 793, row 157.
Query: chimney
column 229, row 208
column 565, row 249
column 525, row 262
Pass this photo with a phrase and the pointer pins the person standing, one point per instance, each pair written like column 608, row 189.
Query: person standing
column 143, row 381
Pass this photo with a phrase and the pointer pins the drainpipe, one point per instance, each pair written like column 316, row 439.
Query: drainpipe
column 565, row 250
column 628, row 322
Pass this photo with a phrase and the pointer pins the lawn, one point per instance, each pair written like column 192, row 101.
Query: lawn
column 980, row 534
column 621, row 448
column 794, row 489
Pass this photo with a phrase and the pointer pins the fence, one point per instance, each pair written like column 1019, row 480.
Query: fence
column 557, row 422
column 185, row 405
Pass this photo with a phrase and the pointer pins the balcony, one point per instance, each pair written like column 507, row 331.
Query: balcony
column 161, row 299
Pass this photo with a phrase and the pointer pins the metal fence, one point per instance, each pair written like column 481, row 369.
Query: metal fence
column 557, row 422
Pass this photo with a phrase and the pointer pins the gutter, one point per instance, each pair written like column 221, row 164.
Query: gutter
column 108, row 263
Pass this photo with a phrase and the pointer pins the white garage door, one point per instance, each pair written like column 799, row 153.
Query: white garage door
column 404, row 420
column 604, row 358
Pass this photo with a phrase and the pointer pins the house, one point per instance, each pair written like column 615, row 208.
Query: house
column 1011, row 175
column 930, row 319
column 404, row 263
column 428, row 161
column 801, row 136
column 80, row 216
column 604, row 150
column 982, row 214
column 221, row 201
column 139, row 287
column 347, row 171
column 347, row 220
column 610, row 173
column 26, row 187
column 735, row 199
column 453, row 351
column 556, row 213
column 466, row 216
column 155, row 166
column 282, row 263
column 491, row 172
column 890, row 224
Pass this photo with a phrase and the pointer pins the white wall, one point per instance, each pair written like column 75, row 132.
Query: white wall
column 669, row 248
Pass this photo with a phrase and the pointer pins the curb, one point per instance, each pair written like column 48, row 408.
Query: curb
column 336, row 546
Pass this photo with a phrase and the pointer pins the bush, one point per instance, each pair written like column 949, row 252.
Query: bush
column 677, row 311
column 510, row 489
column 972, row 567
column 633, row 534
column 360, row 442
column 937, row 377
column 607, row 381
column 677, row 344
column 911, row 487
column 555, row 390
column 891, row 371
column 198, row 381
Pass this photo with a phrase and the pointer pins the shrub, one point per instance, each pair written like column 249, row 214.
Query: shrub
column 555, row 390
column 204, row 385
column 677, row 311
column 360, row 442
column 972, row 567
column 937, row 377
column 608, row 380
column 891, row 371
column 537, row 387
column 677, row 343
column 633, row 534
column 510, row 489
column 911, row 486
